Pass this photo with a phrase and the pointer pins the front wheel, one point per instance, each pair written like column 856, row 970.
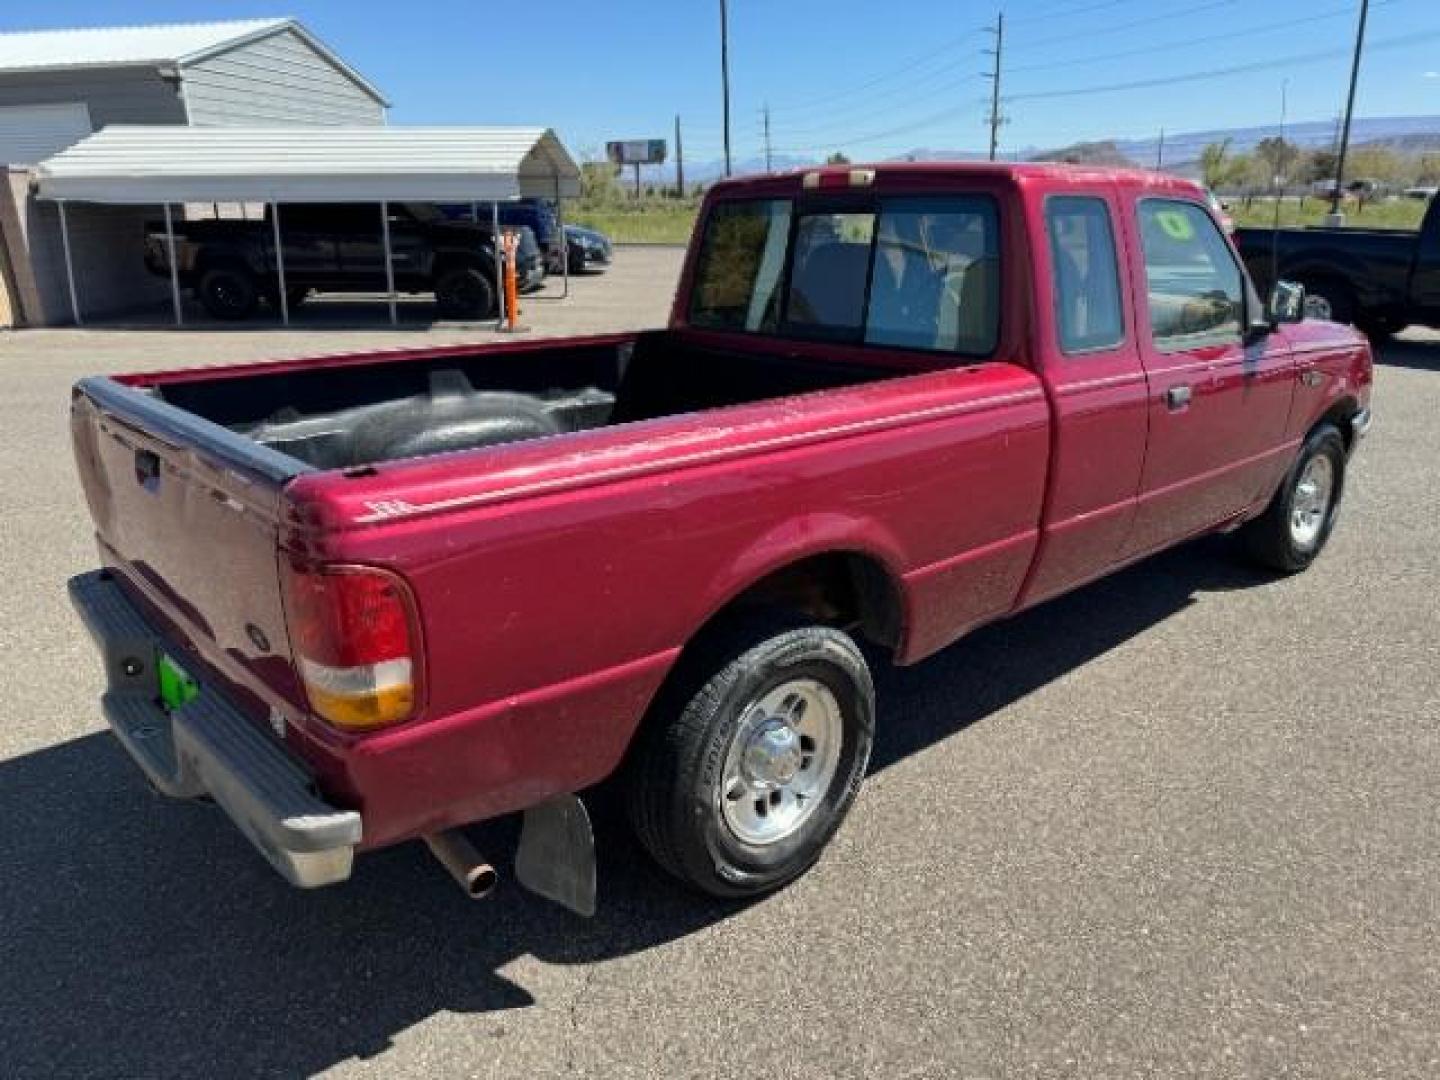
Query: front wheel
column 228, row 292
column 753, row 756
column 464, row 292
column 1296, row 524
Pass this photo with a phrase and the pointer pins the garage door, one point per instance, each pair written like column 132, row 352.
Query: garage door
column 31, row 133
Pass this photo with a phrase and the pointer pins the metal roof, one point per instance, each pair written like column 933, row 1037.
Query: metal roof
column 175, row 164
column 33, row 50
column 177, row 44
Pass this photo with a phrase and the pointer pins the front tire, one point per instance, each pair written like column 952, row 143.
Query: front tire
column 464, row 292
column 753, row 755
column 228, row 292
column 1297, row 523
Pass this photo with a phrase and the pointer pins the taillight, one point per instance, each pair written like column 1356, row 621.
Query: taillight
column 352, row 632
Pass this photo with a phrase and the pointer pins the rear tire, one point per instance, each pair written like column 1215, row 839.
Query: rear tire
column 464, row 292
column 228, row 292
column 1295, row 526
column 753, row 755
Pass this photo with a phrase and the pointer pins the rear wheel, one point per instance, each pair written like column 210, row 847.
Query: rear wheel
column 464, row 292
column 1297, row 523
column 753, row 756
column 228, row 292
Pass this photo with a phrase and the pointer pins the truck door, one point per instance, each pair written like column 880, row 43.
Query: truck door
column 1425, row 274
column 1086, row 342
column 1218, row 406
column 307, row 232
column 361, row 243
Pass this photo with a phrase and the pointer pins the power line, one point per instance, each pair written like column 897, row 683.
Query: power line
column 1145, row 50
column 906, row 68
column 1111, row 28
column 1065, row 12
column 840, row 122
column 1215, row 73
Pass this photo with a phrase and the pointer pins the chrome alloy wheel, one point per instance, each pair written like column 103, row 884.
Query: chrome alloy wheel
column 781, row 761
column 1311, row 503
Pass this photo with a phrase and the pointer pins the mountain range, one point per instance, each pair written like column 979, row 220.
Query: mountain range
column 1180, row 152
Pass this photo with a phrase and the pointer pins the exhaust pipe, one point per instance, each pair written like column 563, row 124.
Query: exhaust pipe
column 471, row 872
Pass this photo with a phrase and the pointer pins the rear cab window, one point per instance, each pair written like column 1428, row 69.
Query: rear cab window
column 913, row 272
column 1089, row 314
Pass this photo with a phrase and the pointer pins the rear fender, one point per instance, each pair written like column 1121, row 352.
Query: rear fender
column 798, row 539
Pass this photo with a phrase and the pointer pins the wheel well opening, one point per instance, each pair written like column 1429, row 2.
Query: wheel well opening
column 846, row 590
column 1340, row 414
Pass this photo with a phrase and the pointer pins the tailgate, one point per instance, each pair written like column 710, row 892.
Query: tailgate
column 189, row 513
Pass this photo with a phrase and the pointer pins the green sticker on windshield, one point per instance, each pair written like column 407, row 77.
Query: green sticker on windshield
column 1176, row 225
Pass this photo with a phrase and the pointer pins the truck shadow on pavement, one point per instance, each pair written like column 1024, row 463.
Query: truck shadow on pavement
column 141, row 937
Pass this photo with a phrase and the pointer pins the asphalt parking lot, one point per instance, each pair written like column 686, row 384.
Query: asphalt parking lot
column 1181, row 823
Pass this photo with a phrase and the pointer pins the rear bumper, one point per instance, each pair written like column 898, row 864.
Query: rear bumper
column 208, row 747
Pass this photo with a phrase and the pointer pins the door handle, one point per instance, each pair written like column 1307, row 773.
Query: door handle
column 1311, row 377
column 1177, row 397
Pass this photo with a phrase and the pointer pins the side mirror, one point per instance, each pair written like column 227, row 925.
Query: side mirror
column 1287, row 303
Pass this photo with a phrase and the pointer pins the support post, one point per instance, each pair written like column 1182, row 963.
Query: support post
column 1349, row 111
column 69, row 264
column 174, row 268
column 679, row 160
column 564, row 240
column 280, row 264
column 499, row 265
column 725, row 77
column 389, row 263
column 995, row 118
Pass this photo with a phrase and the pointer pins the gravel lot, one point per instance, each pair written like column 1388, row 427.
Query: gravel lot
column 1182, row 823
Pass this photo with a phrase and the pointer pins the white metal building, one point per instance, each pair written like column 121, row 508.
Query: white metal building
column 146, row 166
column 58, row 86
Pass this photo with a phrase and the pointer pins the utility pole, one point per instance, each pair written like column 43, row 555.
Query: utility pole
column 767, row 136
column 1349, row 110
column 679, row 160
column 725, row 76
column 1160, row 152
column 995, row 118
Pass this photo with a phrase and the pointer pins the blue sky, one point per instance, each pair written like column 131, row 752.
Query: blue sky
column 870, row 77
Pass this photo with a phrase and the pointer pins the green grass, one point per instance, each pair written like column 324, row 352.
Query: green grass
column 650, row 223
column 1396, row 214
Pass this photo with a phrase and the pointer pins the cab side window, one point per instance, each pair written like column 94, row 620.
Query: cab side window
column 1195, row 290
column 1088, row 311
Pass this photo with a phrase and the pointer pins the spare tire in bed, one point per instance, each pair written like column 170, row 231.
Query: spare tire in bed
column 433, row 425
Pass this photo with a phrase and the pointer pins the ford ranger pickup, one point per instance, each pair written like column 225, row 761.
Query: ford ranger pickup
column 365, row 599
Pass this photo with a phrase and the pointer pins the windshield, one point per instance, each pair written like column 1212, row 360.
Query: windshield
column 908, row 272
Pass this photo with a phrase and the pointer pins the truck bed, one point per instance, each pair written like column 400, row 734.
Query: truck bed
column 348, row 416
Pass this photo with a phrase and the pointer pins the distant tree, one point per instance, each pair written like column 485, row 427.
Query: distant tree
column 1319, row 165
column 1372, row 163
column 1428, row 173
column 837, row 158
column 1277, row 156
column 1214, row 164
column 599, row 184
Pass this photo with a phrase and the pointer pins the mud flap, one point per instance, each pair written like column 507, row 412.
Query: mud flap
column 556, row 857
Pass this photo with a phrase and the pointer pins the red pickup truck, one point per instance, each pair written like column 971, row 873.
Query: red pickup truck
column 364, row 599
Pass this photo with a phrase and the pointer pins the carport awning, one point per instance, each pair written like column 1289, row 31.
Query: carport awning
column 175, row 164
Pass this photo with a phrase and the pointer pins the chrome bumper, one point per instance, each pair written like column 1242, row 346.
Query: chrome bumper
column 1359, row 427
column 208, row 747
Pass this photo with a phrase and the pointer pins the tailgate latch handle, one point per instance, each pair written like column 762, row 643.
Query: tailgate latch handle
column 147, row 469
